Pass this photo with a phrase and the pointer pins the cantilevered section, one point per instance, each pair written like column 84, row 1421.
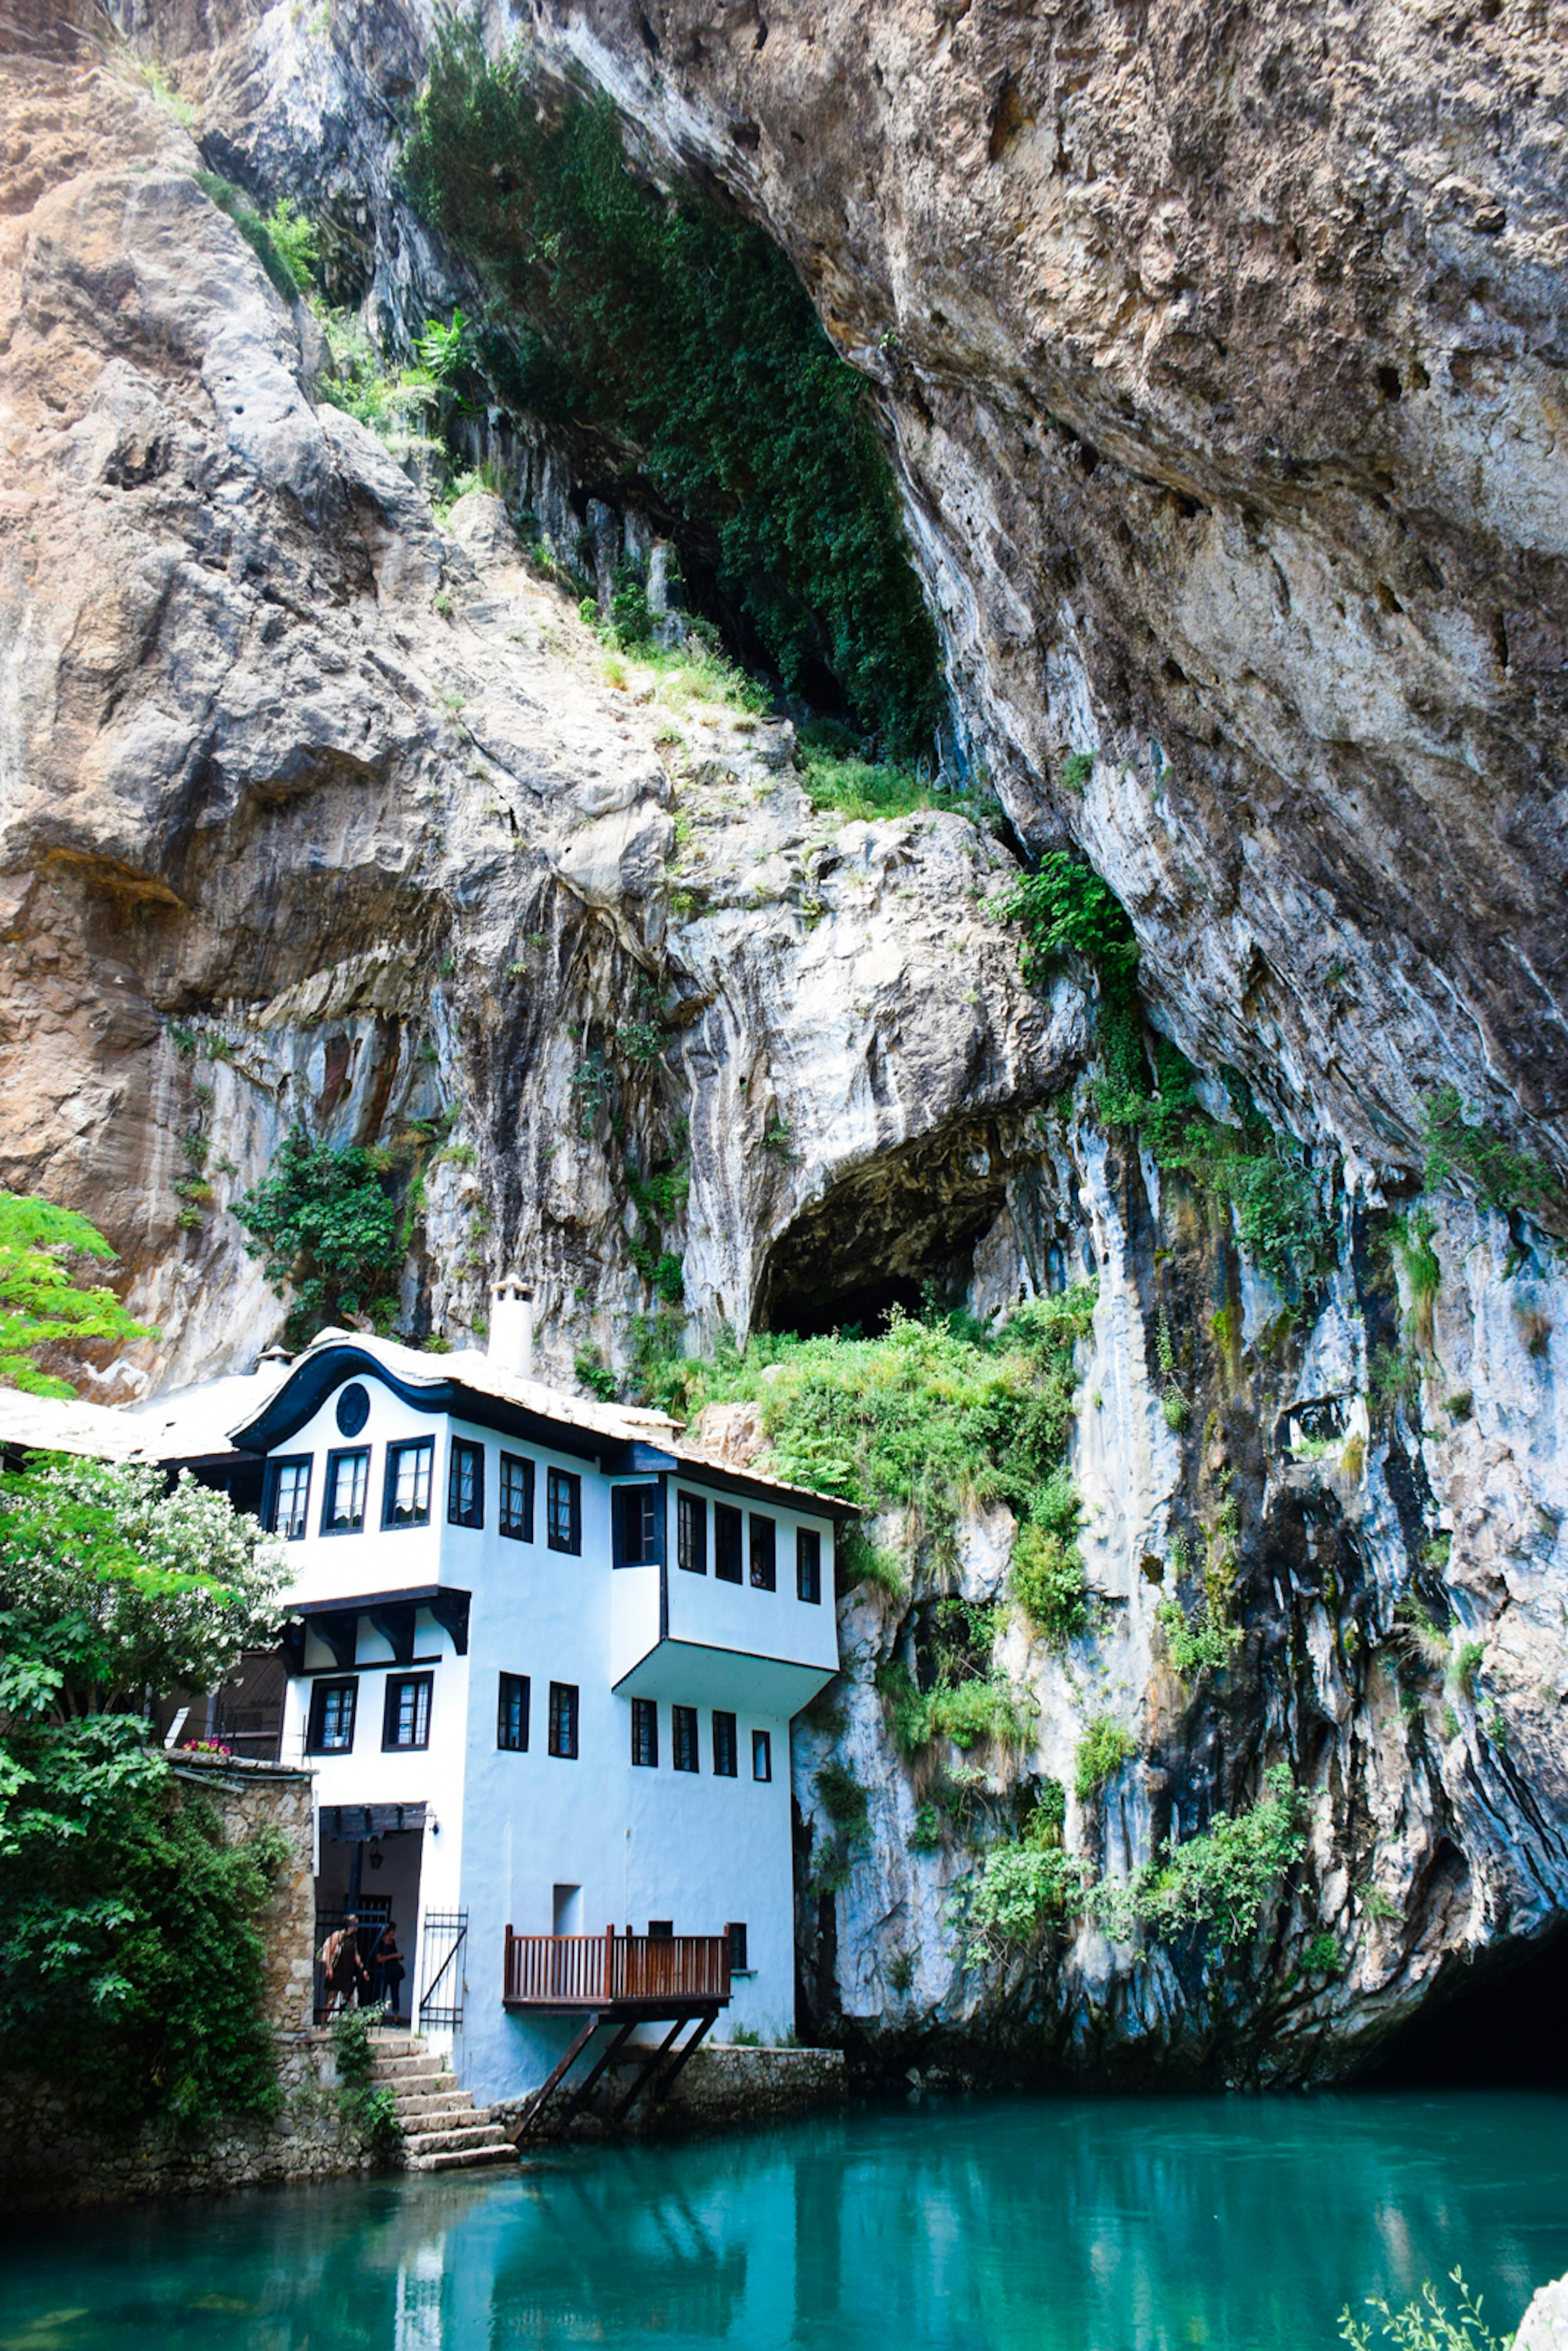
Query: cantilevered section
column 618, row 1976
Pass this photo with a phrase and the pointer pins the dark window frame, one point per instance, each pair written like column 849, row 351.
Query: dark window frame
column 565, row 1708
column 569, row 1481
column 306, row 1461
column 729, row 1521
column 684, row 1734
column 332, row 1685
column 808, row 1566
column 514, row 1533
column 645, row 1734
column 726, row 1757
column 690, row 1514
column 762, row 1753
column 508, row 1687
column 396, row 1451
column 335, row 1459
column 396, row 1682
column 734, row 1936
column 762, row 1555
column 465, row 1449
column 636, row 1524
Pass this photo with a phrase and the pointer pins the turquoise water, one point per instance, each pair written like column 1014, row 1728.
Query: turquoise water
column 1241, row 2224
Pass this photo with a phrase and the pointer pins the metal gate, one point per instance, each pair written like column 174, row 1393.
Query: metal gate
column 441, row 1967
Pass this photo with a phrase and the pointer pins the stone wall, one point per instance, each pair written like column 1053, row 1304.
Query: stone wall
column 722, row 2089
column 250, row 1797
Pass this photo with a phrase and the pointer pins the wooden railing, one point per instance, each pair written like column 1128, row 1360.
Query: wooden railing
column 611, row 1970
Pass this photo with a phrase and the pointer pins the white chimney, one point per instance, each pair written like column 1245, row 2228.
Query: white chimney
column 511, row 1347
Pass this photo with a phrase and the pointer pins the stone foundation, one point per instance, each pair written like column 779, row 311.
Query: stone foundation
column 722, row 2089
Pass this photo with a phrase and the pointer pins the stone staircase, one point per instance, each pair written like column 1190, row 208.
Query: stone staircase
column 443, row 2130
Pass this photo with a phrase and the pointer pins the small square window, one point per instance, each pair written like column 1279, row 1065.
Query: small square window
column 289, row 1499
column 406, row 1723
column 724, row 1745
column 332, row 1717
column 761, row 1755
column 346, row 1492
column 727, row 1527
column 512, row 1715
column 565, row 1506
column 563, row 1720
column 516, row 1497
column 407, row 1498
column 734, row 1936
column 808, row 1563
column 764, row 1553
column 691, row 1533
column 660, row 1930
column 636, row 1510
column 644, row 1731
column 465, row 1484
column 683, row 1738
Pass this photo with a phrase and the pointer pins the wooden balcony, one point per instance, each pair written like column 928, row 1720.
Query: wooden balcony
column 617, row 1975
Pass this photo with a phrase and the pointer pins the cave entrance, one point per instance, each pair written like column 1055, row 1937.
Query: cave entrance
column 897, row 1233
column 1504, row 2025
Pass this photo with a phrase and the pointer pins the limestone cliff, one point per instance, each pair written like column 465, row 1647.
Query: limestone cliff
column 1220, row 381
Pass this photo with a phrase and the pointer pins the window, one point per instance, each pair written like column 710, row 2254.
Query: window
column 644, row 1731
column 516, row 1497
column 723, row 1746
column 407, row 1499
column 565, row 1511
column 290, row 1494
column 764, row 1553
column 406, row 1722
column 332, row 1717
column 691, row 1533
column 348, row 1488
column 761, row 1755
column 635, row 1529
column 726, row 1526
column 563, row 1718
column 512, row 1715
column 683, row 1738
column 734, row 1936
column 808, row 1563
column 660, row 1930
column 465, row 1484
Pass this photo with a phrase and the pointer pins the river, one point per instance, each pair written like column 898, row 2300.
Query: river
column 1061, row 2224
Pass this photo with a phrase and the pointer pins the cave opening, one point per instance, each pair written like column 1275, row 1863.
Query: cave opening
column 1504, row 2025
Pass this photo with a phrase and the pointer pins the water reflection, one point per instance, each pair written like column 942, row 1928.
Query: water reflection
column 1241, row 2225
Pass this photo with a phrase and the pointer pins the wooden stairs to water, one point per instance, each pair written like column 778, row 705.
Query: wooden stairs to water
column 443, row 2130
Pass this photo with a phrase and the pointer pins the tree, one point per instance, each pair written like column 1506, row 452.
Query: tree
column 323, row 1220
column 40, row 1305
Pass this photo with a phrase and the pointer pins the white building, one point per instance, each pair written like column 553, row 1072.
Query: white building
column 544, row 1665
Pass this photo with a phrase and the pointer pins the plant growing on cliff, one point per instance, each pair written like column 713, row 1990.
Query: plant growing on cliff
column 1101, row 1751
column 41, row 1307
column 1218, row 1883
column 679, row 332
column 1047, row 1573
column 324, row 1223
column 1502, row 1178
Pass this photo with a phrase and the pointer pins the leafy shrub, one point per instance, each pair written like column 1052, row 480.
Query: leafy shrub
column 1102, row 1750
column 283, row 240
column 925, row 1836
column 677, row 329
column 970, row 1713
column 324, row 1223
column 1322, row 1956
column 370, row 2112
column 40, row 1305
column 1021, row 1890
column 1425, row 2324
column 1503, row 1177
column 1049, row 1585
column 1218, row 1882
column 841, row 1796
column 596, row 1377
column 1393, row 1379
column 1199, row 1643
column 1076, row 770
column 1066, row 909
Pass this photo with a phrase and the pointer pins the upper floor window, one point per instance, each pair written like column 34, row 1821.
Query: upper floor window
column 645, row 1730
column 406, row 1722
column 516, row 1497
column 407, row 1502
column 761, row 1755
column 565, row 1508
column 635, row 1527
column 289, row 1497
column 764, row 1553
column 722, row 1745
column 512, row 1714
column 683, row 1738
column 691, row 1532
column 331, row 1730
column 808, row 1563
column 347, row 1487
column 465, row 1484
column 563, row 1718
column 727, row 1527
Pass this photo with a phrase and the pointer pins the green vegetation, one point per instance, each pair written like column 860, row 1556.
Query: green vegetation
column 1394, row 1380
column 678, row 330
column 1322, row 1956
column 1066, row 909
column 1021, row 1889
column 1048, row 1579
column 968, row 1704
column 324, row 1223
column 1218, row 1883
column 1425, row 2324
column 130, row 1969
column 283, row 240
column 1076, row 770
column 1503, row 1179
column 369, row 2113
column 1101, row 1752
column 40, row 1305
column 1199, row 1642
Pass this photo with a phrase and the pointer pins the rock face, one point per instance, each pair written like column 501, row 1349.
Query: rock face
column 1223, row 402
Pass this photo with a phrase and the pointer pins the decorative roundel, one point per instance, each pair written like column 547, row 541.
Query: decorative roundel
column 353, row 1409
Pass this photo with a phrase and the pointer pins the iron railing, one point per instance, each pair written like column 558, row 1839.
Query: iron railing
column 610, row 1971
column 441, row 1967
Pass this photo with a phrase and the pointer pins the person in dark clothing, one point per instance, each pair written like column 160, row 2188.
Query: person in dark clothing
column 345, row 1978
column 387, row 1968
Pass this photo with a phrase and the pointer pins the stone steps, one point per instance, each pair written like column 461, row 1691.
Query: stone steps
column 443, row 2130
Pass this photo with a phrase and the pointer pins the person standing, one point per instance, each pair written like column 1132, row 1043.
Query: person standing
column 345, row 1978
column 386, row 1963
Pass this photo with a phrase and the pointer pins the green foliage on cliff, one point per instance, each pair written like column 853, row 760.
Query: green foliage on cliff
column 284, row 241
column 1217, row 1883
column 1101, row 1752
column 1502, row 1178
column 679, row 332
column 1048, row 1579
column 40, row 1305
column 324, row 1223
